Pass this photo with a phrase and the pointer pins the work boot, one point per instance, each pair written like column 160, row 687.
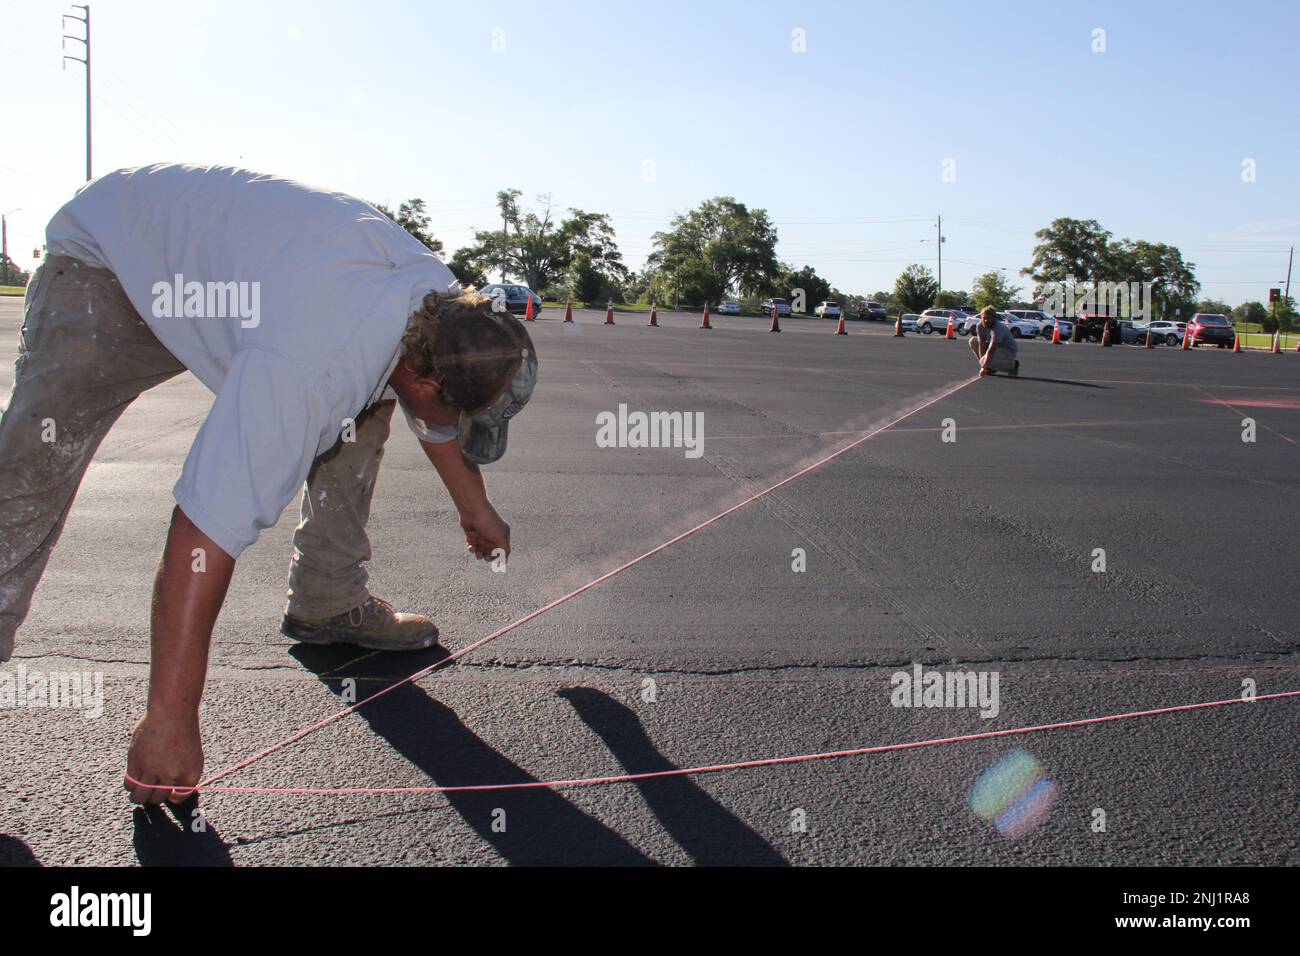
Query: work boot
column 374, row 625
column 1015, row 369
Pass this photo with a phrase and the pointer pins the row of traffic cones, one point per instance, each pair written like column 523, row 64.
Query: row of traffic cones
column 654, row 317
column 840, row 328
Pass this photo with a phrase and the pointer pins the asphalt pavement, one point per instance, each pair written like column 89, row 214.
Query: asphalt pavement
column 977, row 554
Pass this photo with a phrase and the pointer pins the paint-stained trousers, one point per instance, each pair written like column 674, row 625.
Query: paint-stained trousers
column 84, row 355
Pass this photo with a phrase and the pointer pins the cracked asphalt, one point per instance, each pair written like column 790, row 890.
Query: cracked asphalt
column 974, row 554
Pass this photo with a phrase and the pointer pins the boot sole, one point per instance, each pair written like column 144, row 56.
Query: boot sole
column 304, row 634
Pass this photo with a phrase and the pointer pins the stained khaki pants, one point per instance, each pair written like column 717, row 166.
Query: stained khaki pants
column 1002, row 359
column 328, row 574
column 84, row 355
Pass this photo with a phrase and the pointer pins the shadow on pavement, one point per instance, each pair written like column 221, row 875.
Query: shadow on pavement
column 541, row 827
column 164, row 837
column 14, row 852
column 709, row 833
column 1055, row 381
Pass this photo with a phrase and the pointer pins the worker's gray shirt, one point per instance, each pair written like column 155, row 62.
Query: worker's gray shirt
column 287, row 301
column 1001, row 335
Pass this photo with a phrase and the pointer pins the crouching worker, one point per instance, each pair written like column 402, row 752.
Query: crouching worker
column 311, row 316
column 994, row 345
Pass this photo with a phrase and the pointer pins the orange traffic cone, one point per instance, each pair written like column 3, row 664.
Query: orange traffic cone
column 1056, row 333
column 654, row 317
column 898, row 327
column 705, row 323
column 609, row 314
column 1187, row 340
column 952, row 329
column 776, row 320
column 1150, row 342
column 1277, row 343
column 1105, row 336
column 1236, row 343
column 568, row 311
column 841, row 330
column 528, row 312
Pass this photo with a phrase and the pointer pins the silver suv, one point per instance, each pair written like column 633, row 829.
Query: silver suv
column 936, row 320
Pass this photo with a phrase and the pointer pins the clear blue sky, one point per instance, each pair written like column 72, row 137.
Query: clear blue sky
column 843, row 144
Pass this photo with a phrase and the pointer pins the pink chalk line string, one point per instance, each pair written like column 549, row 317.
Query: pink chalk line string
column 532, row 615
column 719, row 768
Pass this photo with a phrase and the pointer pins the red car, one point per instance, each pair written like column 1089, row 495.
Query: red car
column 1207, row 328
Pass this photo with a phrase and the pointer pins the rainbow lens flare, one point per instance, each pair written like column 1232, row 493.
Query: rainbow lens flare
column 1013, row 794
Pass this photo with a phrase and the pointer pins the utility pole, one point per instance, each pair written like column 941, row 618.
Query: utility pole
column 939, row 240
column 939, row 245
column 85, row 18
column 4, row 241
column 1290, row 259
column 505, row 241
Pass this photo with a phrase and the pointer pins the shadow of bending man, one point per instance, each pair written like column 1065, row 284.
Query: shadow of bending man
column 527, row 827
column 706, row 830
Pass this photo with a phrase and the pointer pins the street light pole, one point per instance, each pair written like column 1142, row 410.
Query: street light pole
column 85, row 19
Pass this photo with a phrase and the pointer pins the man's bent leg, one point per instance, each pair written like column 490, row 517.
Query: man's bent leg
column 328, row 575
column 84, row 355
column 1002, row 360
column 329, row 601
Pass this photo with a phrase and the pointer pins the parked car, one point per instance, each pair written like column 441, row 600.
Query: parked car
column 828, row 310
column 729, row 307
column 782, row 307
column 1171, row 333
column 1090, row 326
column 966, row 324
column 909, row 321
column 1039, row 320
column 936, row 320
column 1050, row 322
column 1130, row 333
column 1209, row 328
column 874, row 311
column 514, row 297
column 1021, row 327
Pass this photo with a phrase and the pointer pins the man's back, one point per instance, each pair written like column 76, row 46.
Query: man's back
column 218, row 259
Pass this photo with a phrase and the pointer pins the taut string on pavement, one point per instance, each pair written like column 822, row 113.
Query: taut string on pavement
column 207, row 785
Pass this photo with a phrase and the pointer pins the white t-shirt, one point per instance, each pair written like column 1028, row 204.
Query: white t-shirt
column 295, row 323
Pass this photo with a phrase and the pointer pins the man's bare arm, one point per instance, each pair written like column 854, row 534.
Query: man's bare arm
column 189, row 590
column 485, row 531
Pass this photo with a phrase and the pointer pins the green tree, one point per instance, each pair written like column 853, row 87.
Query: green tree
column 789, row 283
column 467, row 269
column 916, row 288
column 1068, row 251
column 1254, row 312
column 719, row 246
column 1174, row 281
column 10, row 274
column 414, row 218
column 540, row 248
column 993, row 288
column 948, row 299
column 1214, row 306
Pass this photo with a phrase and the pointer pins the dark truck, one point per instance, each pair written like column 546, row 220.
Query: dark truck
column 1090, row 326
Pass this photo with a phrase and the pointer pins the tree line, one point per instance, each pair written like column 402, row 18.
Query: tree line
column 724, row 249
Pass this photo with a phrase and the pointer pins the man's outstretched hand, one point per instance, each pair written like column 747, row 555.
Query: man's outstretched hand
column 166, row 753
column 485, row 533
column 166, row 749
